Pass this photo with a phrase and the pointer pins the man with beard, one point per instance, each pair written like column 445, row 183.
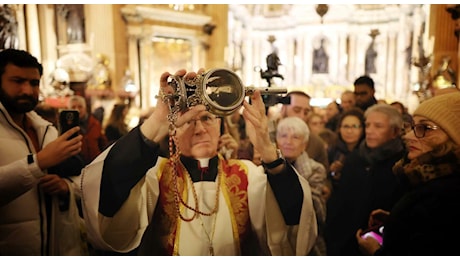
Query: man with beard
column 33, row 198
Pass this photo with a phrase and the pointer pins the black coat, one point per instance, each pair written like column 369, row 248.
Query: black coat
column 425, row 220
column 367, row 183
column 335, row 153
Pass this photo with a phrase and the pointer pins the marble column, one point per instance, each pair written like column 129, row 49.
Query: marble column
column 133, row 64
column 48, row 38
column 33, row 32
column 101, row 39
column 21, row 26
column 391, row 82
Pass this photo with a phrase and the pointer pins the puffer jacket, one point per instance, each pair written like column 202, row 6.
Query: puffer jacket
column 23, row 217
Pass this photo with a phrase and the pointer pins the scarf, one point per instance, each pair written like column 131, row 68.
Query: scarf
column 426, row 167
column 381, row 153
column 315, row 174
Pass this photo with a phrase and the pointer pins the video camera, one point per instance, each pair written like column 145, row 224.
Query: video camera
column 271, row 100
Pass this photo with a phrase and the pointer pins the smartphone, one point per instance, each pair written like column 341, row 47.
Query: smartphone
column 68, row 119
column 374, row 232
column 374, row 235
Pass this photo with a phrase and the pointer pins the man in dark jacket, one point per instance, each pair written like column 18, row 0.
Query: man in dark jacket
column 364, row 92
column 367, row 180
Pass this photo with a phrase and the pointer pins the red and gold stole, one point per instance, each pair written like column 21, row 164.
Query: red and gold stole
column 234, row 186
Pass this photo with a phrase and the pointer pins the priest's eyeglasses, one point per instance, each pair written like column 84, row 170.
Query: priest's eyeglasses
column 206, row 120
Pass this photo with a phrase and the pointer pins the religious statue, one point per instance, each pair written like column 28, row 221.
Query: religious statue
column 371, row 55
column 320, row 59
column 273, row 61
column 8, row 28
column 74, row 17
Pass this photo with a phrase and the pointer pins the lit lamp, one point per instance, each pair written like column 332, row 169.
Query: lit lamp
column 128, row 90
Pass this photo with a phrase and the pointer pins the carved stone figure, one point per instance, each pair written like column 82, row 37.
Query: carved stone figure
column 74, row 17
column 320, row 59
column 371, row 55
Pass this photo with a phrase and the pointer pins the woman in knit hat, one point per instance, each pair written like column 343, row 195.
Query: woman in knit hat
column 425, row 221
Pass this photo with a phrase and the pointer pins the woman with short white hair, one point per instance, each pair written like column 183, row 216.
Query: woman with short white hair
column 292, row 139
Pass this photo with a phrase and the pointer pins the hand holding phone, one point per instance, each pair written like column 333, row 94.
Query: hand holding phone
column 68, row 119
column 375, row 232
column 374, row 235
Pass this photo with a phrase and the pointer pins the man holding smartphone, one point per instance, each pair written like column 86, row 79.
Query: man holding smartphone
column 30, row 194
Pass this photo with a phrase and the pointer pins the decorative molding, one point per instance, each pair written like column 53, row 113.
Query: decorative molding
column 147, row 32
column 130, row 15
column 141, row 13
column 72, row 48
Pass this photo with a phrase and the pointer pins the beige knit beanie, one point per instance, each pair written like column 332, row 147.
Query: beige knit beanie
column 444, row 110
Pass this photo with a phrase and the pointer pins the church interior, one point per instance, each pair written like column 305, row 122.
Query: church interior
column 112, row 52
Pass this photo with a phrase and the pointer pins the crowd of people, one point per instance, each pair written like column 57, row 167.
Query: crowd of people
column 365, row 179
